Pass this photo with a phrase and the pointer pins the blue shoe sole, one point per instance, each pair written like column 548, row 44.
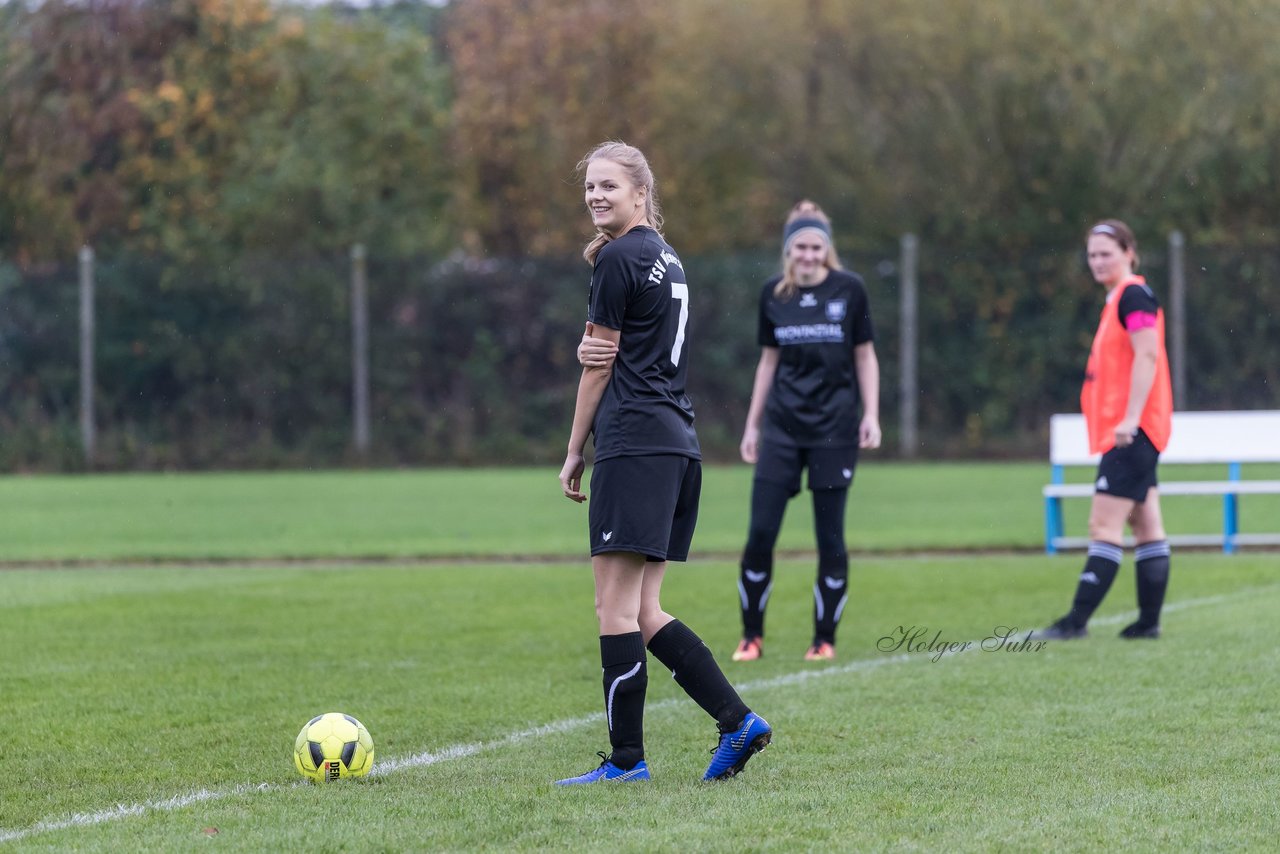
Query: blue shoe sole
column 632, row 776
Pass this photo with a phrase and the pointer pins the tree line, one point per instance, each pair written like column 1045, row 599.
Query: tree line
column 215, row 151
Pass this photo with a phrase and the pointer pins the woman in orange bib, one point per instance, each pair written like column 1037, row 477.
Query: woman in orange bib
column 1127, row 402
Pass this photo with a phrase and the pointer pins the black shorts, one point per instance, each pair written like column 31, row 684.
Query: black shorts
column 647, row 505
column 1130, row 471
column 829, row 468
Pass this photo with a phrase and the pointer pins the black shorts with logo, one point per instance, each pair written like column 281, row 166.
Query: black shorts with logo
column 647, row 505
column 1128, row 472
column 829, row 468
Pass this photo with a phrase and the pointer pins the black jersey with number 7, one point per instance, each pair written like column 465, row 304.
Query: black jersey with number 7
column 638, row 287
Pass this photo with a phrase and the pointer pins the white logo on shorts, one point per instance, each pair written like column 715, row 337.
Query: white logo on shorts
column 1102, row 483
column 606, row 536
column 847, row 474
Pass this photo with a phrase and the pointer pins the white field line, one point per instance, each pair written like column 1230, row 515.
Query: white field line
column 460, row 751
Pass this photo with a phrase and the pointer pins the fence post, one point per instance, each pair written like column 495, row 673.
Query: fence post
column 1178, row 317
column 88, row 433
column 908, row 384
column 360, row 347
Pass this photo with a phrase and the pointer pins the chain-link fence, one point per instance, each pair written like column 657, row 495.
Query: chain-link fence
column 472, row 361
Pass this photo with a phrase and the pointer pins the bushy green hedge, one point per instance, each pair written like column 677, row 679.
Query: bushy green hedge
column 472, row 361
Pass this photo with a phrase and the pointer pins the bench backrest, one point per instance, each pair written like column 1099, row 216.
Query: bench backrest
column 1198, row 437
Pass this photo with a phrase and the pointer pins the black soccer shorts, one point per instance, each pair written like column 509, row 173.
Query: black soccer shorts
column 647, row 505
column 1130, row 471
column 829, row 468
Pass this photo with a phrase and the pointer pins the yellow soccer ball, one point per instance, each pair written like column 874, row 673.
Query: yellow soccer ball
column 332, row 746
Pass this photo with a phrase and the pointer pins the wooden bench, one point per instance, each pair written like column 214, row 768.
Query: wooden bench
column 1233, row 438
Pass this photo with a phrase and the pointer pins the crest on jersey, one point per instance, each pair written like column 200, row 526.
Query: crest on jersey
column 835, row 310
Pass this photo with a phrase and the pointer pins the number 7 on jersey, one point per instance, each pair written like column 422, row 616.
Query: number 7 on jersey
column 680, row 291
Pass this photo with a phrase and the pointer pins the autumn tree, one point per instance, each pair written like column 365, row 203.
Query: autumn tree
column 196, row 128
column 536, row 85
column 68, row 118
column 349, row 145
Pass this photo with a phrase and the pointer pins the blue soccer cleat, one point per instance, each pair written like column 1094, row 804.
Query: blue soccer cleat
column 609, row 773
column 735, row 748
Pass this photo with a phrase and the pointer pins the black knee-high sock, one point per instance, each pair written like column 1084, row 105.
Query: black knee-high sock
column 695, row 670
column 625, row 680
column 755, row 583
column 1153, row 578
column 755, row 579
column 1099, row 571
column 829, row 596
column 831, row 590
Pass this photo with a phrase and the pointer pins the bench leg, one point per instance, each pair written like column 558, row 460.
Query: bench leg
column 1230, row 513
column 1052, row 523
column 1230, row 522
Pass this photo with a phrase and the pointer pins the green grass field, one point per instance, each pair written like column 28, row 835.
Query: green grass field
column 519, row 513
column 153, row 707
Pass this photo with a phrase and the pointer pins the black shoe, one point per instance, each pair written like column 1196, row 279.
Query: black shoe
column 1139, row 630
column 1063, row 629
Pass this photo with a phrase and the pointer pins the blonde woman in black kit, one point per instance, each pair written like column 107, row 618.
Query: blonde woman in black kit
column 647, row 475
column 817, row 364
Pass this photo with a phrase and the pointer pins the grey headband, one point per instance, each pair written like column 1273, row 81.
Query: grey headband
column 805, row 224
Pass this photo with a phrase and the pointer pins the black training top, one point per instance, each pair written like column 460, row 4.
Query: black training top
column 638, row 286
column 1139, row 298
column 814, row 398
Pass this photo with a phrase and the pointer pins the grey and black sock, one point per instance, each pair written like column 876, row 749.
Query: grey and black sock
column 1153, row 579
column 1099, row 571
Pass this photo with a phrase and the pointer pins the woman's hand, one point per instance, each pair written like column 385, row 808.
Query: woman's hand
column 1126, row 432
column 596, row 352
column 750, row 447
column 869, row 432
column 571, row 477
